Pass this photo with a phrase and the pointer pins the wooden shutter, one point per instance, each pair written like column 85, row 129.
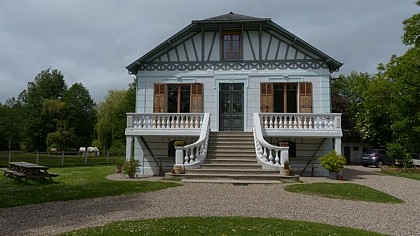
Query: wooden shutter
column 305, row 98
column 266, row 98
column 159, row 98
column 196, row 98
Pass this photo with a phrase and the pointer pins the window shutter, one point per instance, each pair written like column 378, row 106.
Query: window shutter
column 196, row 98
column 266, row 98
column 305, row 98
column 159, row 98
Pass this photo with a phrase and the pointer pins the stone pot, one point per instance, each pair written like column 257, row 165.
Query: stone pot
column 333, row 175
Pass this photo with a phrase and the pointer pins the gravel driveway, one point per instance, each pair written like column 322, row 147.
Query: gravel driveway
column 268, row 201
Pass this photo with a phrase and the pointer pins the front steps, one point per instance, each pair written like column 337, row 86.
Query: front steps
column 231, row 159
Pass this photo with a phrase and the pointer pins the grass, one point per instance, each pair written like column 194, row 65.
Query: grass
column 411, row 173
column 219, row 226
column 73, row 183
column 348, row 191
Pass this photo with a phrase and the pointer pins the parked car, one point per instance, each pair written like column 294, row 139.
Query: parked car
column 376, row 157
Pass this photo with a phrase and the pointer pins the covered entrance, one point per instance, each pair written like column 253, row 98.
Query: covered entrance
column 231, row 107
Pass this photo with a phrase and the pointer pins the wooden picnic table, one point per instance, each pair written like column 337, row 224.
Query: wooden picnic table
column 27, row 170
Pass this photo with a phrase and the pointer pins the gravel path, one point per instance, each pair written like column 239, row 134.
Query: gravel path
column 269, row 201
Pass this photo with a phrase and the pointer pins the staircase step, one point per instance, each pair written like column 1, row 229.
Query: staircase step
column 232, row 171
column 231, row 166
column 231, row 159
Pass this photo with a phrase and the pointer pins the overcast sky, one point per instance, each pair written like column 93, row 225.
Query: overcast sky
column 91, row 42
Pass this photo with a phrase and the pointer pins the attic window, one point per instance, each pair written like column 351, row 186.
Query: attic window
column 231, row 46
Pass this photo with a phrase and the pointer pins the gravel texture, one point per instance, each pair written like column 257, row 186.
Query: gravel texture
column 268, row 201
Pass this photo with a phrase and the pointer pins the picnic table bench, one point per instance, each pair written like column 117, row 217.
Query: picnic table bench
column 26, row 170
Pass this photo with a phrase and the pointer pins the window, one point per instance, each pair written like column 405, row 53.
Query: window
column 178, row 98
column 231, row 46
column 286, row 97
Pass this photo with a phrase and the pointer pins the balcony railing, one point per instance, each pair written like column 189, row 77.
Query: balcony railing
column 297, row 124
column 164, row 123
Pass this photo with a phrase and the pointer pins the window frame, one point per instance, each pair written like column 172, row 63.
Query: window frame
column 230, row 55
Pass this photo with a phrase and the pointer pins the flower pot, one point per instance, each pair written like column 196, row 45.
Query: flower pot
column 333, row 175
column 286, row 172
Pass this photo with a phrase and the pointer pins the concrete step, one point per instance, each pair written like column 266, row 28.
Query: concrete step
column 231, row 181
column 233, row 159
column 233, row 165
column 232, row 171
column 201, row 177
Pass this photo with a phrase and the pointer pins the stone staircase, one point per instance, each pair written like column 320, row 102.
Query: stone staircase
column 231, row 159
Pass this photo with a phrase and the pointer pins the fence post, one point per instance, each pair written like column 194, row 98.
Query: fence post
column 10, row 155
column 107, row 157
column 85, row 154
column 37, row 157
column 62, row 158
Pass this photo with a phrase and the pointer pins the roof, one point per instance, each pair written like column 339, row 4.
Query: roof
column 230, row 20
column 231, row 17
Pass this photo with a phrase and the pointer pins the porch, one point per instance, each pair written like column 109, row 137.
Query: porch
column 265, row 125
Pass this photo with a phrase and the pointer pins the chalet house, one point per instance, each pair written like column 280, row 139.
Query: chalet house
column 244, row 94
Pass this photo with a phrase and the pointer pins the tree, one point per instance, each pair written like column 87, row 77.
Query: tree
column 38, row 123
column 11, row 121
column 80, row 114
column 347, row 95
column 112, row 118
column 412, row 30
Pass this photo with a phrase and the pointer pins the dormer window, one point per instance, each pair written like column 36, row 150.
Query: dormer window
column 231, row 46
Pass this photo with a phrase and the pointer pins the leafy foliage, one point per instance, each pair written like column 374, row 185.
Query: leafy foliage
column 332, row 161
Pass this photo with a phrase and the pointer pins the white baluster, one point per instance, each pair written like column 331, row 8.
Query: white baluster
column 265, row 154
column 271, row 121
column 281, row 122
column 270, row 157
column 277, row 159
column 317, row 120
column 186, row 158
column 310, row 123
column 305, row 122
column 300, row 122
column 295, row 125
column 265, row 122
column 196, row 124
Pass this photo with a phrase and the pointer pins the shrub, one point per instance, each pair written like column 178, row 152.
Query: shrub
column 179, row 143
column 332, row 161
column 399, row 155
column 130, row 167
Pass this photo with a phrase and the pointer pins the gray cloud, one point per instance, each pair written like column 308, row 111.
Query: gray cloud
column 92, row 41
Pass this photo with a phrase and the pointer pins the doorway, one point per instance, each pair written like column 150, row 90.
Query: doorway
column 231, row 110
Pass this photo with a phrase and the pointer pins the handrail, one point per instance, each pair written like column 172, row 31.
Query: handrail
column 195, row 153
column 265, row 151
column 164, row 121
column 301, row 121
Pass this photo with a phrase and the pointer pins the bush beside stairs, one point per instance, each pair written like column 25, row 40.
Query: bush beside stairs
column 231, row 159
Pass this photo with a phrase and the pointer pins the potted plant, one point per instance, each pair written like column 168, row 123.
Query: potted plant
column 130, row 167
column 179, row 143
column 333, row 162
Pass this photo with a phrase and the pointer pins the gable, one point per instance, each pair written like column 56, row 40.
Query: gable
column 264, row 45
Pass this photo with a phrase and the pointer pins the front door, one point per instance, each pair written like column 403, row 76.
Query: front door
column 231, row 107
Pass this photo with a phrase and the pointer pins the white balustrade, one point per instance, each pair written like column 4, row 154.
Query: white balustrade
column 195, row 153
column 165, row 120
column 269, row 155
column 300, row 121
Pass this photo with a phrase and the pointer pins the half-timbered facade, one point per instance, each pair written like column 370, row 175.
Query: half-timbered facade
column 233, row 73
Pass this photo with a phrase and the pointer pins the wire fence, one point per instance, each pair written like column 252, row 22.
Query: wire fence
column 59, row 159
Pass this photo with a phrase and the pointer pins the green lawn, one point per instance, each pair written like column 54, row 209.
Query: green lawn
column 219, row 226
column 73, row 183
column 412, row 173
column 347, row 191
